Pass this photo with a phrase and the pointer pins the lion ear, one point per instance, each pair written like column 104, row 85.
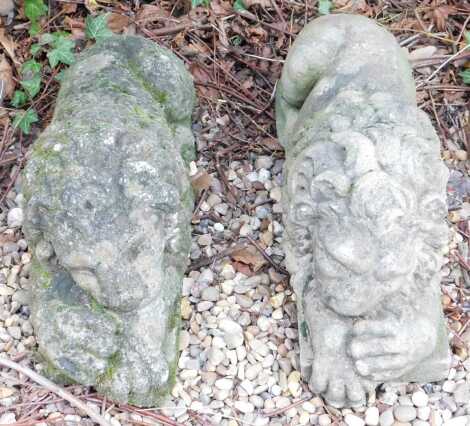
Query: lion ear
column 360, row 153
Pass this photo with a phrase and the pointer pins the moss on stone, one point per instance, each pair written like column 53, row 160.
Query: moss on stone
column 114, row 361
column 40, row 274
column 188, row 153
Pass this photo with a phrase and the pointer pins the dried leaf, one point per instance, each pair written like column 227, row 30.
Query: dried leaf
column 117, row 22
column 201, row 180
column 243, row 269
column 8, row 44
column 250, row 256
column 150, row 13
column 7, row 84
column 69, row 7
column 441, row 14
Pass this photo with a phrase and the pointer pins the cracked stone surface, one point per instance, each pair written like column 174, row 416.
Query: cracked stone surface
column 364, row 208
column 108, row 208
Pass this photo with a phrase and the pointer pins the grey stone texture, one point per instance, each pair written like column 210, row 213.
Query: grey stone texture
column 108, row 212
column 364, row 206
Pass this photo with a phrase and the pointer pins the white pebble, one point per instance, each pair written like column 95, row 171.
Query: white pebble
column 404, row 413
column 386, row 418
column 244, row 406
column 448, row 386
column 352, row 420
column 458, row 421
column 324, row 420
column 424, row 412
column 224, row 384
column 15, row 217
column 233, row 333
column 420, row 399
column 372, row 416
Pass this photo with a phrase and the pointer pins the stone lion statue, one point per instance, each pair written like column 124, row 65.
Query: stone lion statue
column 108, row 212
column 364, row 203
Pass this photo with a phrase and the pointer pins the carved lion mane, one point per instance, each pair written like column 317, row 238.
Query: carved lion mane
column 374, row 165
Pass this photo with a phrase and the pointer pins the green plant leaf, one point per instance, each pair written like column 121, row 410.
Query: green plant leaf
column 465, row 76
column 31, row 66
column 239, row 6
column 62, row 51
column 32, row 85
column 35, row 49
column 24, row 120
column 97, row 28
column 196, row 3
column 33, row 10
column 467, row 36
column 324, row 7
column 19, row 99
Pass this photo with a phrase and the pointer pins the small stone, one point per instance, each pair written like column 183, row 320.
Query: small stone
column 233, row 333
column 205, row 240
column 277, row 300
column 224, row 384
column 15, row 217
column 252, row 371
column 293, row 383
column 461, row 155
column 210, row 294
column 219, row 227
column 352, row 420
column 372, row 416
column 420, row 399
column 386, row 418
column 264, row 162
column 324, row 420
column 276, row 194
column 7, row 419
column 420, row 423
column 277, row 314
column 184, row 340
column 462, row 393
column 186, row 309
column 228, row 272
column 423, row 413
column 304, row 418
column 244, row 406
column 449, row 386
column 215, row 356
column 213, row 200
column 227, row 287
column 458, row 421
column 204, row 306
column 263, row 323
column 404, row 413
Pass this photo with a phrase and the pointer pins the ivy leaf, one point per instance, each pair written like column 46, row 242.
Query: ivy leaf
column 324, row 7
column 196, row 3
column 97, row 28
column 239, row 6
column 62, row 49
column 465, row 76
column 31, row 66
column 24, row 120
column 35, row 48
column 33, row 10
column 19, row 99
column 32, row 86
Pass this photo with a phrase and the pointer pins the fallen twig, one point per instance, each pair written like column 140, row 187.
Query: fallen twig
column 55, row 389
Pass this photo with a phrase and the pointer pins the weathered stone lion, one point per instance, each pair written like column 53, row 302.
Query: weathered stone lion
column 364, row 205
column 108, row 214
